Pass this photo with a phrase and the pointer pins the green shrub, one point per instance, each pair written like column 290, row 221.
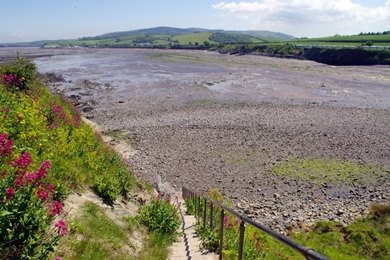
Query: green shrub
column 107, row 187
column 161, row 217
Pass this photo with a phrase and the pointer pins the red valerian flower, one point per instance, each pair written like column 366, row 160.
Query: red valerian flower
column 62, row 228
column 43, row 170
column 5, row 145
column 23, row 162
column 50, row 187
column 55, row 208
column 30, row 177
column 76, row 121
column 42, row 194
column 20, row 181
column 10, row 192
column 11, row 80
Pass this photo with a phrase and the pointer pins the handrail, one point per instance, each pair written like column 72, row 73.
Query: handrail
column 305, row 251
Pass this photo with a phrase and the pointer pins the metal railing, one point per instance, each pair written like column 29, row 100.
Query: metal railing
column 200, row 211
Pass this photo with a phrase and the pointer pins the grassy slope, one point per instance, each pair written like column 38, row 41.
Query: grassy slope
column 95, row 236
column 193, row 37
column 367, row 238
column 354, row 40
column 48, row 128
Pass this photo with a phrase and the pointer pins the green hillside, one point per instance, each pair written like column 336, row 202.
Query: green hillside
column 159, row 36
column 170, row 37
column 163, row 37
column 351, row 40
column 194, row 38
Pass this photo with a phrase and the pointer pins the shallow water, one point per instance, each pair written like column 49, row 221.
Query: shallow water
column 133, row 73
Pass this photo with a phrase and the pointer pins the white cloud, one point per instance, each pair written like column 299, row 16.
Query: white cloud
column 339, row 15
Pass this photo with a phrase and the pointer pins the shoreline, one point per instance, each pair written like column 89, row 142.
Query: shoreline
column 200, row 136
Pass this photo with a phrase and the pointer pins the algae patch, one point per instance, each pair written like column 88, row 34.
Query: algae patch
column 324, row 170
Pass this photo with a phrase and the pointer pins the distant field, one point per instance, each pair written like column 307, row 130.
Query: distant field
column 193, row 38
column 354, row 40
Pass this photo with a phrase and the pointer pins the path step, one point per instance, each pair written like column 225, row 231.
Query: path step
column 188, row 245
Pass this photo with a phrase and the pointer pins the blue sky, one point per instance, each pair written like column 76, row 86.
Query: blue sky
column 26, row 20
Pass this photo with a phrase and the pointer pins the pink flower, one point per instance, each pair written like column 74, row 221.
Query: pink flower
column 5, row 145
column 23, row 162
column 42, row 194
column 43, row 170
column 57, row 109
column 20, row 181
column 62, row 228
column 76, row 121
column 10, row 192
column 57, row 258
column 10, row 79
column 50, row 187
column 225, row 220
column 55, row 208
column 30, row 177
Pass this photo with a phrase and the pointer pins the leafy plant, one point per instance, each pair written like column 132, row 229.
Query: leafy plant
column 190, row 206
column 108, row 188
column 27, row 207
column 161, row 217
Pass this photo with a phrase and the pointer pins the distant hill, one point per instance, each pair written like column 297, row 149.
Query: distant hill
column 179, row 31
column 154, row 31
column 163, row 37
column 268, row 34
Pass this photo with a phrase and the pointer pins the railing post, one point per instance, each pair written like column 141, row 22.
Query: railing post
column 205, row 213
column 198, row 206
column 211, row 215
column 193, row 202
column 241, row 243
column 221, row 234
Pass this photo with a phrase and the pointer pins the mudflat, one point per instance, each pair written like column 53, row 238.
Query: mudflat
column 289, row 141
